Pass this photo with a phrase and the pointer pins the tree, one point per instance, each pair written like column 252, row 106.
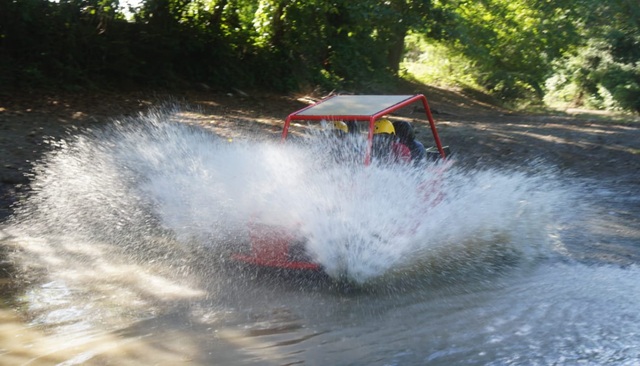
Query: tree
column 513, row 43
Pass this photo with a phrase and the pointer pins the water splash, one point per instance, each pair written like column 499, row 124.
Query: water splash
column 139, row 180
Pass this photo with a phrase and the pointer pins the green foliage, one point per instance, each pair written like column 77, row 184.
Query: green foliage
column 63, row 42
column 594, row 78
column 433, row 62
column 337, row 44
column 275, row 44
column 604, row 72
column 513, row 43
column 584, row 52
column 578, row 51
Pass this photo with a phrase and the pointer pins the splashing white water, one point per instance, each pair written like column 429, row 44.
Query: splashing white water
column 142, row 177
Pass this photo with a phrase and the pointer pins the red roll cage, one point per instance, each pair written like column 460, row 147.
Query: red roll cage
column 361, row 108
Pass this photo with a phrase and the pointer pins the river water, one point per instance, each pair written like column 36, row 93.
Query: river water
column 120, row 256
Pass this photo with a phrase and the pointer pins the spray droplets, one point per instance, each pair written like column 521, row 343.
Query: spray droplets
column 138, row 178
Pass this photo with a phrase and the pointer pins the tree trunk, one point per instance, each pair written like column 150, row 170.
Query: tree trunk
column 395, row 51
column 216, row 16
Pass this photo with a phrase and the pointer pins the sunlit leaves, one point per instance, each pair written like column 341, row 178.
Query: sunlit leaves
column 513, row 42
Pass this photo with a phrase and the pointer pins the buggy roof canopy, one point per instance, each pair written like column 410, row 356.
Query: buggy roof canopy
column 361, row 107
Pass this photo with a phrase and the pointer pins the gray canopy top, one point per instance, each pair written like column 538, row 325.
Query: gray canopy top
column 354, row 106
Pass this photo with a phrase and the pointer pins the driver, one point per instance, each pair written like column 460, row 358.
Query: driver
column 386, row 145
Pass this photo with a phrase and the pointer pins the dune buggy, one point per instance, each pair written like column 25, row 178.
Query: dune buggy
column 273, row 246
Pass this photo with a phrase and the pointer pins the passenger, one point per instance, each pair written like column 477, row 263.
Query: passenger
column 340, row 128
column 386, row 145
column 406, row 135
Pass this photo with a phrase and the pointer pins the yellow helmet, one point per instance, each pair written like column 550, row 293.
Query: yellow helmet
column 384, row 126
column 340, row 125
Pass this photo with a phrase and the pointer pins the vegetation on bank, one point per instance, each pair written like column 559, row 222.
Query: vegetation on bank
column 579, row 52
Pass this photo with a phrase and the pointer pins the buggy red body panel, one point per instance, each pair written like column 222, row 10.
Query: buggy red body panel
column 271, row 247
column 276, row 247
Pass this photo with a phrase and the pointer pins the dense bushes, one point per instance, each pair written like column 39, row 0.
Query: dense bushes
column 603, row 69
